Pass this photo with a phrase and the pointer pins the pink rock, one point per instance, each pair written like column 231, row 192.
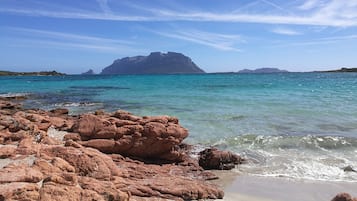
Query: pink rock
column 86, row 161
column 7, row 151
column 19, row 173
column 19, row 191
column 91, row 126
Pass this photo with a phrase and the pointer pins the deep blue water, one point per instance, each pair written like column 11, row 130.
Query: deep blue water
column 290, row 124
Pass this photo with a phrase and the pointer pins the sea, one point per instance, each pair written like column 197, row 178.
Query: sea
column 292, row 125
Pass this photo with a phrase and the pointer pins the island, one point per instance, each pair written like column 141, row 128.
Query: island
column 41, row 73
column 341, row 70
column 155, row 63
column 89, row 72
column 263, row 70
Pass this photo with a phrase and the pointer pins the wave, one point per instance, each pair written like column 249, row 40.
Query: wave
column 76, row 104
column 298, row 157
column 311, row 142
column 14, row 95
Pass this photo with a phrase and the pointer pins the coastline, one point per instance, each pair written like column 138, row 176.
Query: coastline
column 51, row 155
column 256, row 188
column 235, row 186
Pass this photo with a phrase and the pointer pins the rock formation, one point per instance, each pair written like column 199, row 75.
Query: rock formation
column 213, row 158
column 155, row 63
column 50, row 155
column 89, row 72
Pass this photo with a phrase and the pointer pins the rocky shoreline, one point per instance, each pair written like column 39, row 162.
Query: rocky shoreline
column 51, row 155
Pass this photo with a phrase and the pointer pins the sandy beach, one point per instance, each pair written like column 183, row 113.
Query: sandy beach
column 254, row 188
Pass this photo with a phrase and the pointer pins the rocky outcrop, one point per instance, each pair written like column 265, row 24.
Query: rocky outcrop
column 213, row 158
column 130, row 135
column 341, row 70
column 344, row 197
column 89, row 72
column 155, row 63
column 50, row 155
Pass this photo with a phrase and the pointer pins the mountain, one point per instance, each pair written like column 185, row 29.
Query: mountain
column 263, row 70
column 155, row 63
column 89, row 72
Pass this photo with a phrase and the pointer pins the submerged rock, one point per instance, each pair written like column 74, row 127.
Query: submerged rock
column 349, row 169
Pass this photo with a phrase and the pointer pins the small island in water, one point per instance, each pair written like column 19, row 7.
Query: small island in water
column 89, row 72
column 341, row 70
column 155, row 63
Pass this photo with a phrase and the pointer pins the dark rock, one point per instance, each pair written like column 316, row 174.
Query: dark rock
column 344, row 197
column 213, row 158
column 59, row 111
column 155, row 63
column 349, row 169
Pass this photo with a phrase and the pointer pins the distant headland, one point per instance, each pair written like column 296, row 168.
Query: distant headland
column 155, row 63
column 341, row 70
column 263, row 70
column 41, row 73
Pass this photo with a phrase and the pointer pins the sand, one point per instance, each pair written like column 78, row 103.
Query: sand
column 254, row 188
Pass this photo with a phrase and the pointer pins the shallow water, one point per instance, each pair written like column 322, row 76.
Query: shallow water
column 299, row 125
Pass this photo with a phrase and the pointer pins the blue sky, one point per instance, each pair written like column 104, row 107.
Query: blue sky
column 226, row 35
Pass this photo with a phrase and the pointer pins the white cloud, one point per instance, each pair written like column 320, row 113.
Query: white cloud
column 335, row 13
column 218, row 41
column 310, row 4
column 320, row 41
column 69, row 36
column 71, row 41
column 104, row 6
column 286, row 31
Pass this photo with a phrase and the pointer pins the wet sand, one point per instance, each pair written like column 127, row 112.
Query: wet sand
column 254, row 188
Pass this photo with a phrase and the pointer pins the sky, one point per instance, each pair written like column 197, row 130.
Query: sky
column 219, row 36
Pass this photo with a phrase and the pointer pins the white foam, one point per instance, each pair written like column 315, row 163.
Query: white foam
column 13, row 95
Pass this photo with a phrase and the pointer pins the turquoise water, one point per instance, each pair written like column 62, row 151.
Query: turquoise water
column 299, row 125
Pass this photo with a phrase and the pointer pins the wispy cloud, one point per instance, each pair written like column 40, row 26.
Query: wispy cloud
column 105, row 7
column 286, row 31
column 69, row 36
column 310, row 4
column 215, row 40
column 274, row 5
column 62, row 40
column 320, row 41
column 336, row 13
